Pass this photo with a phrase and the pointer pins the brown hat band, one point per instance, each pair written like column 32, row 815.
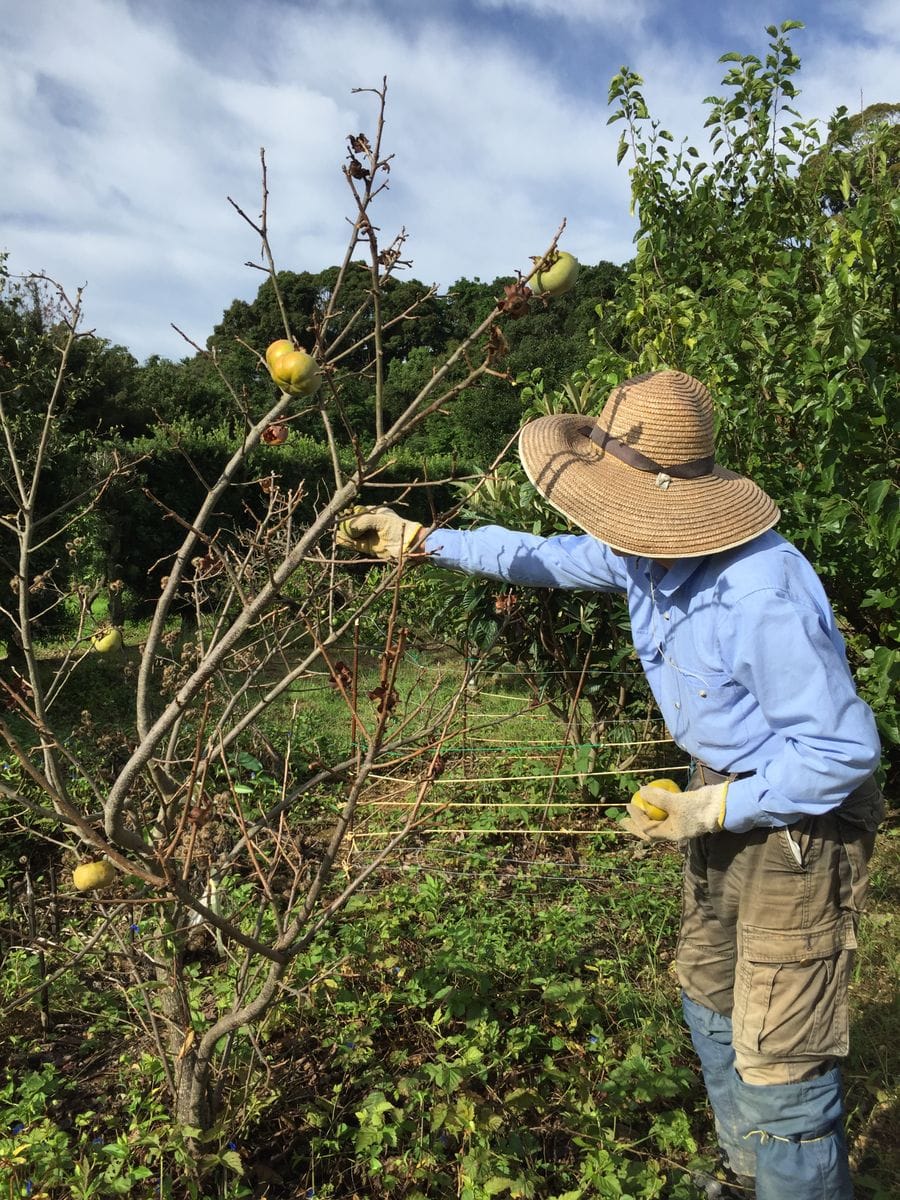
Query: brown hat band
column 633, row 458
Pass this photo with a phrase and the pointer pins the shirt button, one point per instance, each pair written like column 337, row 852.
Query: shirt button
column 677, row 705
column 665, row 616
column 702, row 695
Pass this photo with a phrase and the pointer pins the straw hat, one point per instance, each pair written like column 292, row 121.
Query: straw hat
column 642, row 476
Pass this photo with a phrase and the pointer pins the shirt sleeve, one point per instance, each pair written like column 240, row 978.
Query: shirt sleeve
column 781, row 650
column 565, row 561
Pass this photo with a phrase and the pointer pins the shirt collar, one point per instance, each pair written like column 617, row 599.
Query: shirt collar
column 681, row 570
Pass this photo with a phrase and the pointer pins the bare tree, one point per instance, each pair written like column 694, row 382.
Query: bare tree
column 170, row 816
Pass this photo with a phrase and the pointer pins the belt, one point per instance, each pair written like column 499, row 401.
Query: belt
column 719, row 776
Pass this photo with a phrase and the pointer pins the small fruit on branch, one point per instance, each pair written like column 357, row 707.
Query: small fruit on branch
column 107, row 641
column 93, row 875
column 282, row 346
column 558, row 275
column 295, row 371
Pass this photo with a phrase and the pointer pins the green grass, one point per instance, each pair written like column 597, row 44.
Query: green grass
column 495, row 1014
column 489, row 1009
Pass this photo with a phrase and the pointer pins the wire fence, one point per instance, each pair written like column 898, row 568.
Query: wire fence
column 492, row 794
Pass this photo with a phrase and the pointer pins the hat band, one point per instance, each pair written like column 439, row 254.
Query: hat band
column 633, row 458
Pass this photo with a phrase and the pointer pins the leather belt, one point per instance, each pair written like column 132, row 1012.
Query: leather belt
column 720, row 776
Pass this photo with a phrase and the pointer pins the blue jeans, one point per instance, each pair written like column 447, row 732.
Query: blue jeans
column 789, row 1136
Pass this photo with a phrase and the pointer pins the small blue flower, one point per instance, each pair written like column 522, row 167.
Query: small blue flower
column 135, row 928
column 232, row 1145
column 29, row 1187
column 310, row 1192
column 18, row 1126
column 592, row 1041
column 98, row 1140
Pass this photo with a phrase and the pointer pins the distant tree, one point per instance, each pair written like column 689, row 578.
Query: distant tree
column 858, row 149
column 552, row 339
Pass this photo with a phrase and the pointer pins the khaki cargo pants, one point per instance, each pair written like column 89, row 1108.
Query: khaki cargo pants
column 768, row 935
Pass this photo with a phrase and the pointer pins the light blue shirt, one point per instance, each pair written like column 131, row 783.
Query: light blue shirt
column 741, row 651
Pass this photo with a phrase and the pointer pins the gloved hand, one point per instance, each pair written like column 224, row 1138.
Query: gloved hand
column 378, row 532
column 690, row 814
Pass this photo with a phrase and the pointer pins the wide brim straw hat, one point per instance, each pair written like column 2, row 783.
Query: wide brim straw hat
column 642, row 476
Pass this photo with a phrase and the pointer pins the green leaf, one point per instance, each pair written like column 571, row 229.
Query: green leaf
column 248, row 762
column 232, row 1160
column 877, row 493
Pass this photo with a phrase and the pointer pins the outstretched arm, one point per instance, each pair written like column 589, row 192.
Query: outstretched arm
column 566, row 561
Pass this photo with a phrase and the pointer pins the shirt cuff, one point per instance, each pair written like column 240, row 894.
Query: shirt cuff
column 742, row 807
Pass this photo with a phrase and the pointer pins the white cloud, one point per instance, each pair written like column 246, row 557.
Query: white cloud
column 124, row 126
column 595, row 12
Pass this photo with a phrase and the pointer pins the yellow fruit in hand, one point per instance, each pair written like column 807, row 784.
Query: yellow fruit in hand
column 296, row 373
column 282, row 346
column 93, row 875
column 653, row 811
column 107, row 641
column 559, row 276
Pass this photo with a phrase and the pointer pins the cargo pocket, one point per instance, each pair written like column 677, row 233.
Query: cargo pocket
column 790, row 996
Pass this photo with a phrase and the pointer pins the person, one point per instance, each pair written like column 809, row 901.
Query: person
column 744, row 658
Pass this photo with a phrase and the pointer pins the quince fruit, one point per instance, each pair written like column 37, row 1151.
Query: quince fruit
column 93, row 875
column 296, row 373
column 107, row 641
column 653, row 811
column 559, row 276
column 282, row 346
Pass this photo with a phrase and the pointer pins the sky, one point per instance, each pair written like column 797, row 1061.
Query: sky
column 126, row 124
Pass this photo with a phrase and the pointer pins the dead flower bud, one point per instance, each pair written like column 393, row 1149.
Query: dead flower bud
column 515, row 300
column 276, row 435
column 342, row 677
column 386, row 698
column 497, row 346
column 438, row 767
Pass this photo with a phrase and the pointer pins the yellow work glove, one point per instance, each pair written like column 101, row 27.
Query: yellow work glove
column 688, row 814
column 378, row 532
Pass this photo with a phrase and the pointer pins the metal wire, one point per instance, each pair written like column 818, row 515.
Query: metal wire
column 467, row 781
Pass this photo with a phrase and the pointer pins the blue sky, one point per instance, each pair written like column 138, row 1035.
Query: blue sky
column 124, row 124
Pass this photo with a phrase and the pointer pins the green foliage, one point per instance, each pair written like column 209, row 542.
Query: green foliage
column 180, row 421
column 458, row 1033
column 43, row 1154
column 496, row 1016
column 553, row 338
column 745, row 279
